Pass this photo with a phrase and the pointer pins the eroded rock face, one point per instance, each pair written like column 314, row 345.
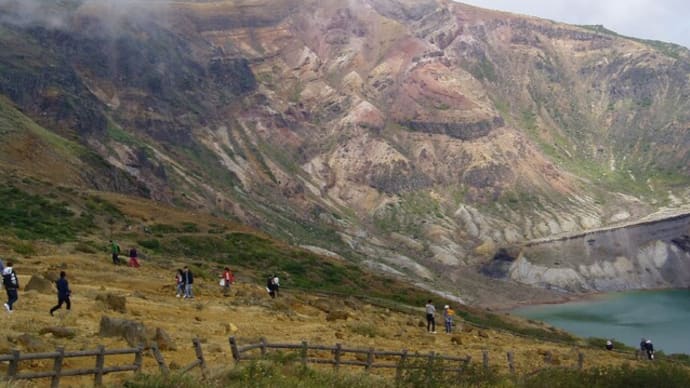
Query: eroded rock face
column 400, row 117
column 637, row 256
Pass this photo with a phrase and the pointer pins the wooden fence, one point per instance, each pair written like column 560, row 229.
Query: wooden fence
column 369, row 359
column 431, row 362
column 99, row 370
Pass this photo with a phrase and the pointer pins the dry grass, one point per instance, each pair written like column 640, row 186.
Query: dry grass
column 212, row 317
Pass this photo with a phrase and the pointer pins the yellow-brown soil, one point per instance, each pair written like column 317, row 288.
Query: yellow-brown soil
column 248, row 314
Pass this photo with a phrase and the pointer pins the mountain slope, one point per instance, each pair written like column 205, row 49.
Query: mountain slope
column 416, row 137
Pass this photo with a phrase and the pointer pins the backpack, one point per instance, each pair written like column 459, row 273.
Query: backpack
column 7, row 279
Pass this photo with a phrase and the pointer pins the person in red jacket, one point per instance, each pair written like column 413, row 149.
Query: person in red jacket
column 133, row 258
column 228, row 279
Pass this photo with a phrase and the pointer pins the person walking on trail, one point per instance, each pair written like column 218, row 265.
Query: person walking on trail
column 270, row 286
column 11, row 282
column 448, row 318
column 115, row 250
column 276, row 285
column 188, row 279
column 179, row 283
column 133, row 258
column 649, row 348
column 63, row 293
column 609, row 345
column 430, row 317
column 227, row 279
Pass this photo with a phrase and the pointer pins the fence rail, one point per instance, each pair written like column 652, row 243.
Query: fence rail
column 431, row 362
column 369, row 359
column 405, row 360
column 99, row 370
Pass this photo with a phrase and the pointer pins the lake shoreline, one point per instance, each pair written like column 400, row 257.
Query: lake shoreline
column 625, row 316
column 572, row 298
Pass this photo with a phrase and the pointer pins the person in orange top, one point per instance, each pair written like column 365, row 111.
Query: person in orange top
column 228, row 279
column 448, row 318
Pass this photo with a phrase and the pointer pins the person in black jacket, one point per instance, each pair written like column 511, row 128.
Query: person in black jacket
column 188, row 279
column 63, row 293
column 11, row 282
column 649, row 348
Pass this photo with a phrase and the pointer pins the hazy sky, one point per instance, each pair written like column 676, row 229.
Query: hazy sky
column 666, row 20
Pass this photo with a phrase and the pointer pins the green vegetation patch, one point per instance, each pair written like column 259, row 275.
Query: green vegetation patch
column 32, row 217
column 284, row 372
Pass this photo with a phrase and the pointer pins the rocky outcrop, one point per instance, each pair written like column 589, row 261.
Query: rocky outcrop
column 39, row 284
column 645, row 255
column 134, row 333
column 462, row 131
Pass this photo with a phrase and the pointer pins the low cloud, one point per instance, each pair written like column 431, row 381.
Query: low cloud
column 61, row 14
column 665, row 20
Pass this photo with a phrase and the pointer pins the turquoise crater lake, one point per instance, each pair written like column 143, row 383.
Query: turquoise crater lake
column 662, row 316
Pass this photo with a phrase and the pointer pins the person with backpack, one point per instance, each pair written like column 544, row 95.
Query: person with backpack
column 133, row 258
column 609, row 345
column 11, row 282
column 179, row 283
column 448, row 318
column 115, row 249
column 270, row 287
column 276, row 285
column 227, row 279
column 430, row 317
column 188, row 279
column 649, row 348
column 63, row 293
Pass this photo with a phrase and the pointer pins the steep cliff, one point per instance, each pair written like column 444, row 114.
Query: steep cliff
column 417, row 137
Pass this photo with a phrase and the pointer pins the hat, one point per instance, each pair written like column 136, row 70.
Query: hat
column 446, row 307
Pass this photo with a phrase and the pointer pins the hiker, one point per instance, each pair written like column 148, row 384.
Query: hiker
column 188, row 279
column 448, row 318
column 63, row 292
column 649, row 348
column 609, row 345
column 276, row 285
column 227, row 279
column 642, row 345
column 273, row 285
column 115, row 249
column 133, row 258
column 179, row 283
column 430, row 317
column 269, row 286
column 9, row 278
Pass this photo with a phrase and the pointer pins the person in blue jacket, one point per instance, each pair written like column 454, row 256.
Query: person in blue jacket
column 63, row 293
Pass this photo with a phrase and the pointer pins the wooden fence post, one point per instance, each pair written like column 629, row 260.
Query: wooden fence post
column 580, row 360
column 463, row 365
column 401, row 367
column 57, row 367
column 235, row 351
column 139, row 358
column 165, row 371
column 430, row 368
column 14, row 365
column 200, row 356
column 338, row 349
column 511, row 366
column 100, row 361
column 263, row 347
column 485, row 359
column 305, row 349
column 370, row 359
